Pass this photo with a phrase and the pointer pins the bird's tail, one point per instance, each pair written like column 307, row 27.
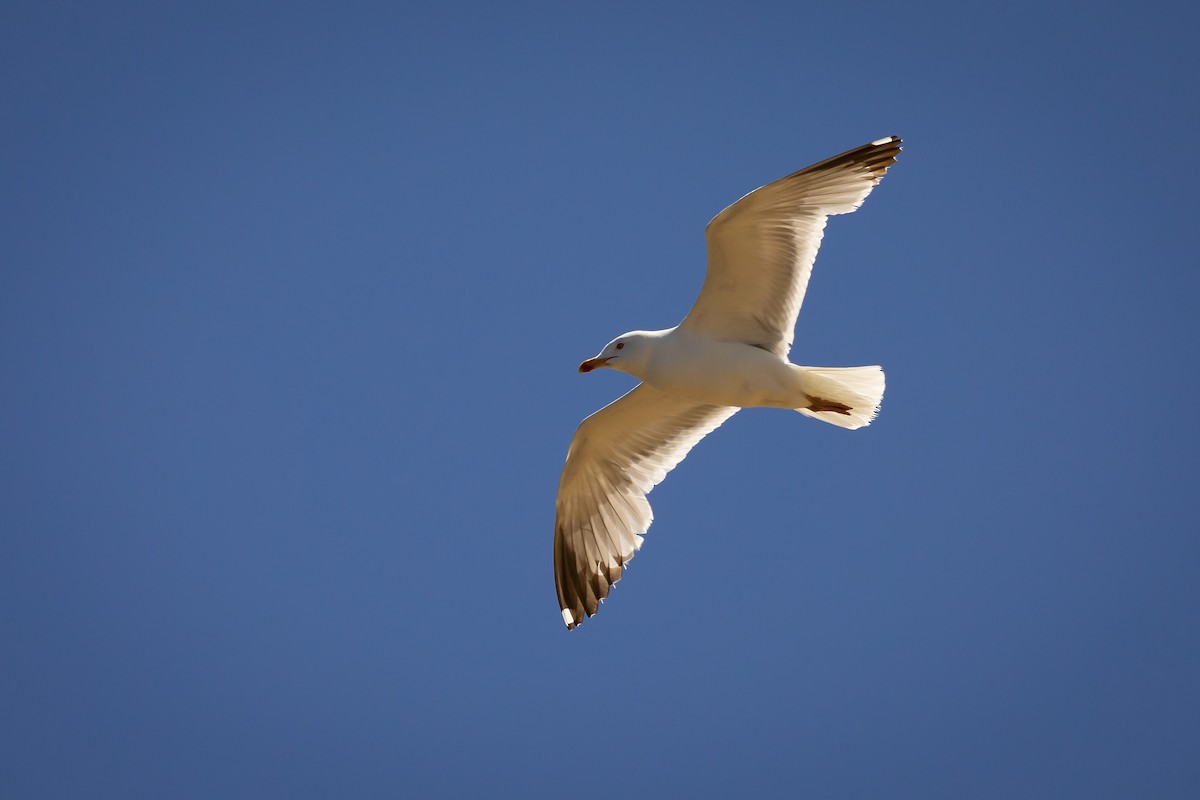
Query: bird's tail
column 848, row 397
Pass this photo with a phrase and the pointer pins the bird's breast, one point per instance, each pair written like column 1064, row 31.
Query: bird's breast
column 724, row 373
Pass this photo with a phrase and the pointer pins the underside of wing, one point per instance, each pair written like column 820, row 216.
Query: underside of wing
column 617, row 456
column 761, row 249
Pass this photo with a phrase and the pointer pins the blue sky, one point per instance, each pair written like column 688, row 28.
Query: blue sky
column 291, row 303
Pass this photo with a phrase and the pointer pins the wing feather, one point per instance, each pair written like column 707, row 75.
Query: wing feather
column 761, row 249
column 617, row 456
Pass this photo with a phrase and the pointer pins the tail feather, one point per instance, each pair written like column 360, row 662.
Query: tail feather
column 860, row 389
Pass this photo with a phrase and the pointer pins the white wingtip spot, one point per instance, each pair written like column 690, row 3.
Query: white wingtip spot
column 568, row 617
column 884, row 140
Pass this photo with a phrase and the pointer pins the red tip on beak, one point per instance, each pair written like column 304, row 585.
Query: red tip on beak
column 593, row 363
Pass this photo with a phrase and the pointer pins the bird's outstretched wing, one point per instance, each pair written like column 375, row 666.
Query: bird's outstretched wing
column 617, row 456
column 761, row 249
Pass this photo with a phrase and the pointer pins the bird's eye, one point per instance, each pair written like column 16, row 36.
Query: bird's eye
column 620, row 345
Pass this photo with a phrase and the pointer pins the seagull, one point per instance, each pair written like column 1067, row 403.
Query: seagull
column 730, row 352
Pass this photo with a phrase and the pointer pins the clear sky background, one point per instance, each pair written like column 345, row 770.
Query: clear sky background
column 292, row 297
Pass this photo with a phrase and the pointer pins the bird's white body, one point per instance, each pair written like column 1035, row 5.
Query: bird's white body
column 730, row 352
column 712, row 371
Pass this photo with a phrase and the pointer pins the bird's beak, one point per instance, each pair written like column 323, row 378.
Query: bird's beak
column 594, row 363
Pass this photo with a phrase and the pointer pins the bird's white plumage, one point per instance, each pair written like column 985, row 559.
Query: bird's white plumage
column 730, row 352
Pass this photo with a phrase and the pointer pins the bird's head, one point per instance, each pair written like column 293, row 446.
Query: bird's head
column 628, row 353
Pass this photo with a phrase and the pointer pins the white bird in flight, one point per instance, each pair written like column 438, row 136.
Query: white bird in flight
column 730, row 352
